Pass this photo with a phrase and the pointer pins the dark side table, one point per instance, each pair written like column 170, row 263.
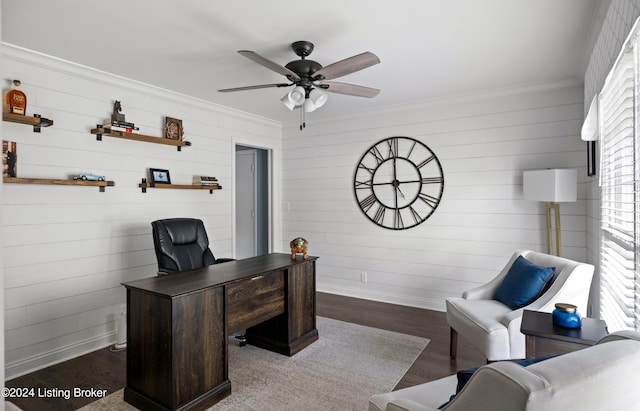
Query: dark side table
column 544, row 339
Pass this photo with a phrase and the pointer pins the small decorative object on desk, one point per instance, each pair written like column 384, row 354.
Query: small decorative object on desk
column 565, row 315
column 9, row 158
column 15, row 100
column 117, row 115
column 298, row 245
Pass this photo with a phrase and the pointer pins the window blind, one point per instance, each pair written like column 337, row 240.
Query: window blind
column 620, row 193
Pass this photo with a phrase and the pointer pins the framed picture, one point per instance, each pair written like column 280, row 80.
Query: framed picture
column 9, row 158
column 173, row 128
column 157, row 175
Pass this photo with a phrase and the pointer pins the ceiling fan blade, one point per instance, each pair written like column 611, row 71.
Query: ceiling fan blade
column 350, row 89
column 227, row 90
column 269, row 64
column 347, row 66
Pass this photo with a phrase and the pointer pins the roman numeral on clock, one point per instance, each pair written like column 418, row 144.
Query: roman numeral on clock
column 379, row 216
column 429, row 200
column 368, row 202
column 376, row 154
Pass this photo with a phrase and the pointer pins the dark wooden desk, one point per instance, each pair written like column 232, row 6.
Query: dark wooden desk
column 177, row 326
column 544, row 339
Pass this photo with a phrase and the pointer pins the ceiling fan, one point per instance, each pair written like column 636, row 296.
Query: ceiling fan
column 309, row 77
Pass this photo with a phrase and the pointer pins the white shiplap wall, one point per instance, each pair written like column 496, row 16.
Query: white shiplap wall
column 484, row 144
column 67, row 249
column 617, row 24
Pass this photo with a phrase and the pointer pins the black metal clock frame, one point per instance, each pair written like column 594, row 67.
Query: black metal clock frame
column 397, row 163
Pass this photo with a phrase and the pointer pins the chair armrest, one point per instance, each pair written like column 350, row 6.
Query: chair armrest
column 483, row 292
column 620, row 335
column 403, row 404
column 571, row 286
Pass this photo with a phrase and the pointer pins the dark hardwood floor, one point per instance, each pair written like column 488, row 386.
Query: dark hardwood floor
column 104, row 369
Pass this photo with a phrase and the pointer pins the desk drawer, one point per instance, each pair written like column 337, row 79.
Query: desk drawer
column 254, row 300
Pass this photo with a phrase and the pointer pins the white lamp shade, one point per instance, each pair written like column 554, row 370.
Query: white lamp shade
column 555, row 185
column 294, row 98
column 287, row 102
column 590, row 127
column 297, row 95
column 318, row 97
column 309, row 106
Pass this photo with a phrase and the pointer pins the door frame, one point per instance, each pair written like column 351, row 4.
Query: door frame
column 271, row 215
column 252, row 153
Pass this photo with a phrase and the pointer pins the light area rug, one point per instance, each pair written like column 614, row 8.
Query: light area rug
column 340, row 371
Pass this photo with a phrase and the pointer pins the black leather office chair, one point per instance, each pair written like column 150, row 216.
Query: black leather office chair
column 182, row 244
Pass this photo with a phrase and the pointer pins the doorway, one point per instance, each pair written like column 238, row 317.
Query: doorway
column 252, row 201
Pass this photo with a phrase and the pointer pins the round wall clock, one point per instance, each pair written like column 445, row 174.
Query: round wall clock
column 398, row 183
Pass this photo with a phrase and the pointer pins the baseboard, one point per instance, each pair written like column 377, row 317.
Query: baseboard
column 390, row 298
column 44, row 360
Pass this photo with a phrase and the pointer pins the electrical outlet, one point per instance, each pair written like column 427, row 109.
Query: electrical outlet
column 363, row 277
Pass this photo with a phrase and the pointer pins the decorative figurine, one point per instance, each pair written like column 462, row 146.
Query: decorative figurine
column 117, row 116
column 298, row 245
column 87, row 177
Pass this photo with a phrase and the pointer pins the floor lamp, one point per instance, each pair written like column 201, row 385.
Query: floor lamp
column 552, row 186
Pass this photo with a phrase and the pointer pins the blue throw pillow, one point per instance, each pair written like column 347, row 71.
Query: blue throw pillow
column 523, row 283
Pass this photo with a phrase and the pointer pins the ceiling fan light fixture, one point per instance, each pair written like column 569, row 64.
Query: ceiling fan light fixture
column 297, row 95
column 318, row 97
column 309, row 106
column 287, row 102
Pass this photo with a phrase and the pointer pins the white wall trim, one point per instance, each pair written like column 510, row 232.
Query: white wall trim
column 391, row 298
column 27, row 56
column 448, row 100
column 58, row 355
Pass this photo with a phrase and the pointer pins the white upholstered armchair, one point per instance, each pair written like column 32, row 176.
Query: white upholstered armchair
column 493, row 327
column 599, row 378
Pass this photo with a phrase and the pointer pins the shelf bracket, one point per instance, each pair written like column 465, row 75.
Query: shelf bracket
column 98, row 136
column 144, row 185
column 44, row 122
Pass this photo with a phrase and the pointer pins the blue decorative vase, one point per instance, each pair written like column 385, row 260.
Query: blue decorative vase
column 565, row 315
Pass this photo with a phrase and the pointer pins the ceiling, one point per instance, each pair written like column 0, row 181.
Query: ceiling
column 428, row 49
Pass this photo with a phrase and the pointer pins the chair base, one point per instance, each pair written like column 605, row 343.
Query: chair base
column 242, row 339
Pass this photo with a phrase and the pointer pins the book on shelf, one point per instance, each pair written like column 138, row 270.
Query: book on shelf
column 123, row 129
column 206, row 179
column 207, row 183
column 109, row 123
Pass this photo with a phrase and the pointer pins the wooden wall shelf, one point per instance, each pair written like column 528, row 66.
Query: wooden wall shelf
column 36, row 121
column 47, row 181
column 100, row 131
column 144, row 185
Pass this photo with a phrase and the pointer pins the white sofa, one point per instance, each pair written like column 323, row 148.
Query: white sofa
column 599, row 378
column 493, row 328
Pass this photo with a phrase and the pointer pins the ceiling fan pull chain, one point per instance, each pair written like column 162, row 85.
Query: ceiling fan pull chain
column 302, row 118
